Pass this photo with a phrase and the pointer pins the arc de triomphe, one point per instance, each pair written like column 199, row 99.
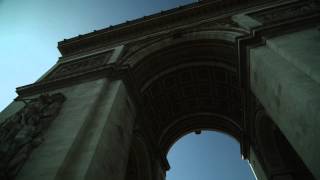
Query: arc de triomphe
column 118, row 98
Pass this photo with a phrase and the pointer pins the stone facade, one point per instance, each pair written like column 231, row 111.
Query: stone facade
column 247, row 68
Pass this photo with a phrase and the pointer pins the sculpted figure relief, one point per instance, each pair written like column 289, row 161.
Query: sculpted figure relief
column 23, row 131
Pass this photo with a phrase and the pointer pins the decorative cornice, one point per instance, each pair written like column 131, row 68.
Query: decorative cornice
column 285, row 12
column 110, row 71
column 147, row 25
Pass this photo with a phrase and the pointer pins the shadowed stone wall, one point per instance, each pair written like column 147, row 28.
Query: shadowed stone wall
column 285, row 78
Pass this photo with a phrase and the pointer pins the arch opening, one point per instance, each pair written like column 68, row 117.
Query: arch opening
column 195, row 123
column 187, row 86
column 195, row 157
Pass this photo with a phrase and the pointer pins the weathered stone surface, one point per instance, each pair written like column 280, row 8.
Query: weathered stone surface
column 23, row 131
column 63, row 135
column 11, row 109
column 302, row 49
column 103, row 146
column 246, row 21
column 291, row 98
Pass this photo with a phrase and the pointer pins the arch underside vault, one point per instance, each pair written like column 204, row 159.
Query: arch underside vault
column 183, row 86
column 189, row 86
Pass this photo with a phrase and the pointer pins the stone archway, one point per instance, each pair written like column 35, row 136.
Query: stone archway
column 186, row 84
column 131, row 90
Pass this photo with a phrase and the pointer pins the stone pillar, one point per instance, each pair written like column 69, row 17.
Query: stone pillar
column 256, row 166
column 90, row 137
column 159, row 171
column 285, row 79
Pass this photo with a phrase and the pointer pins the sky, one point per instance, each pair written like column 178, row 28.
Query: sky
column 210, row 155
column 29, row 33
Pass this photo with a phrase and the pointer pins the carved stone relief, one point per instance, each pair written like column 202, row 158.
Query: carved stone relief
column 23, row 131
column 285, row 12
column 80, row 66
